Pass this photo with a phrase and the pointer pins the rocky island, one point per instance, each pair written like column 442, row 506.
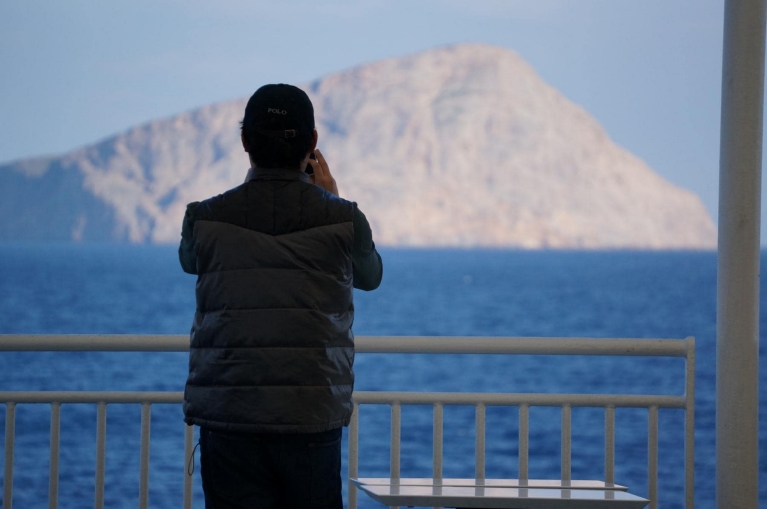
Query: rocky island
column 458, row 146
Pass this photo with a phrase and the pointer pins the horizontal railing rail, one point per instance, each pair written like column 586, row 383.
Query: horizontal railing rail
column 122, row 397
column 510, row 399
column 365, row 344
column 369, row 398
column 396, row 344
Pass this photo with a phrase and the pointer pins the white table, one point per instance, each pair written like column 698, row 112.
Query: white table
column 499, row 493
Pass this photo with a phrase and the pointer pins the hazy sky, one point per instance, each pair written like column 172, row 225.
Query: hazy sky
column 77, row 71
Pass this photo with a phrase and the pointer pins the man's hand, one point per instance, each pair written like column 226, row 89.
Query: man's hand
column 322, row 176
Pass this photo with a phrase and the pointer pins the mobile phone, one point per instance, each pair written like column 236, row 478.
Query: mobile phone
column 309, row 170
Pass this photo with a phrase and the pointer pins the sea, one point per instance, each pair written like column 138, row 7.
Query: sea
column 119, row 289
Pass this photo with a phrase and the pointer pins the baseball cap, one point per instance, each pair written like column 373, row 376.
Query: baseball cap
column 279, row 111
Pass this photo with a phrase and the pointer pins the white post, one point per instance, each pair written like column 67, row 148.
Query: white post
column 740, row 167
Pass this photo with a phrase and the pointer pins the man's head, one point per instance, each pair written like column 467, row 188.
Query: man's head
column 278, row 127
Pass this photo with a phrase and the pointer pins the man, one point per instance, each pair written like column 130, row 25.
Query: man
column 270, row 365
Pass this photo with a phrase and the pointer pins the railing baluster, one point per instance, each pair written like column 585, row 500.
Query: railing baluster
column 354, row 427
column 652, row 457
column 479, row 444
column 566, row 442
column 610, row 444
column 188, row 453
column 524, row 420
column 438, row 440
column 396, row 439
column 146, row 415
column 53, row 472
column 689, row 425
column 10, row 434
column 396, row 427
column 101, row 442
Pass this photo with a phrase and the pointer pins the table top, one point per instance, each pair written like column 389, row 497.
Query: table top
column 491, row 497
column 500, row 483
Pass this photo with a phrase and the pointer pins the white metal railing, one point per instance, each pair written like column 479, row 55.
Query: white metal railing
column 438, row 400
column 537, row 346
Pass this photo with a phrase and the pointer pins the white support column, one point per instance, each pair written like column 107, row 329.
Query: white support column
column 740, row 167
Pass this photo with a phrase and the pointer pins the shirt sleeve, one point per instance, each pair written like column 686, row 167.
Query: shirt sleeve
column 186, row 254
column 367, row 264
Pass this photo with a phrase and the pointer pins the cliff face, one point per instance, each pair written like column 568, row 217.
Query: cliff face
column 457, row 146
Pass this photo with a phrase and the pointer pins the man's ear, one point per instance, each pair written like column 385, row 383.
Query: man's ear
column 314, row 141
column 245, row 142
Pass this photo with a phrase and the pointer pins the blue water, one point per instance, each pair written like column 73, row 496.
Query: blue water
column 61, row 288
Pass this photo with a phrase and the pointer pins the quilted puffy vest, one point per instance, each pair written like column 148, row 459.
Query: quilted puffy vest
column 271, row 344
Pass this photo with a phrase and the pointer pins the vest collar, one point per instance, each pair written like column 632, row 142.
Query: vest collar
column 276, row 174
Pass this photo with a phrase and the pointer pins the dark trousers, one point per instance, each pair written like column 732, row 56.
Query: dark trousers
column 270, row 470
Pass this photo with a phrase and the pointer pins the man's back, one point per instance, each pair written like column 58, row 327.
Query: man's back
column 271, row 345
